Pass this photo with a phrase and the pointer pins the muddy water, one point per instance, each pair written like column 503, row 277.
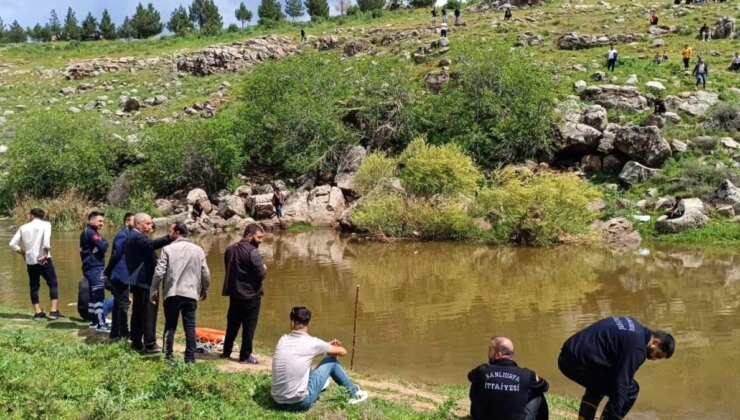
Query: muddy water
column 427, row 309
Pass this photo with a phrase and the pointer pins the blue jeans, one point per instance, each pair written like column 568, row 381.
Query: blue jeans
column 329, row 367
column 107, row 306
column 701, row 78
column 279, row 211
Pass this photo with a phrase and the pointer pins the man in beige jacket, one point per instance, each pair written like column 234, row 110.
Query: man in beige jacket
column 183, row 270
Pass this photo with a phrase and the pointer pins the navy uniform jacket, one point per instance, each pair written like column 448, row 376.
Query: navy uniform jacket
column 119, row 272
column 92, row 249
column 501, row 390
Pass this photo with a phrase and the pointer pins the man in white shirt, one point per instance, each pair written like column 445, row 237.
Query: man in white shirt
column 611, row 58
column 294, row 385
column 36, row 238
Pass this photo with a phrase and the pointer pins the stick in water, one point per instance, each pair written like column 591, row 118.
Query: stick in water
column 354, row 330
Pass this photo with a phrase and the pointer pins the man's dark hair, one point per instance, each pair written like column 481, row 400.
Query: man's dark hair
column 182, row 229
column 253, row 228
column 95, row 213
column 667, row 343
column 127, row 216
column 300, row 315
column 38, row 213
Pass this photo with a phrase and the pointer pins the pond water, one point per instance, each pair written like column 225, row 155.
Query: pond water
column 427, row 310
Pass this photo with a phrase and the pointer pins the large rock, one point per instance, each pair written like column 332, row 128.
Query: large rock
column 164, row 207
column 131, row 105
column 626, row 98
column 348, row 166
column 595, row 116
column 435, row 81
column 578, row 41
column 634, row 173
column 230, row 206
column 235, row 56
column 120, row 191
column 612, row 164
column 578, row 136
column 260, row 206
column 195, row 195
column 693, row 103
column 591, row 163
column 618, row 232
column 243, row 191
column 725, row 28
column 322, row 206
column 643, row 144
column 727, row 193
column 570, row 110
column 356, row 46
column 654, row 120
column 692, row 216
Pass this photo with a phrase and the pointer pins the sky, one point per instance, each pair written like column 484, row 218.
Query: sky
column 30, row 12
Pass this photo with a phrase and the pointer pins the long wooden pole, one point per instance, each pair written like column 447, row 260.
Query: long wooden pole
column 354, row 330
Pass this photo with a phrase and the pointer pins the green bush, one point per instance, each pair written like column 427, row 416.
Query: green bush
column 529, row 208
column 726, row 116
column 428, row 170
column 374, row 169
column 52, row 153
column 67, row 211
column 447, row 220
column 381, row 214
column 689, row 176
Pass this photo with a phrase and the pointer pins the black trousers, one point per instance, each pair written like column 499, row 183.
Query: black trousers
column 610, row 64
column 119, row 315
column 597, row 383
column 173, row 307
column 35, row 272
column 686, row 63
column 244, row 314
column 143, row 319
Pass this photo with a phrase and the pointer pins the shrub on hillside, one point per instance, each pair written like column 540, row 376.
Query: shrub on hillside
column 381, row 214
column 52, row 153
column 446, row 170
column 67, row 211
column 688, row 176
column 725, row 116
column 529, row 208
column 374, row 169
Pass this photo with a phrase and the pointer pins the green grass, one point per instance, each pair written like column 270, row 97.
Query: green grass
column 300, row 227
column 717, row 232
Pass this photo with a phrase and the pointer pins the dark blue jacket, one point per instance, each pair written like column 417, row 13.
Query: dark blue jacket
column 617, row 345
column 139, row 252
column 119, row 272
column 92, row 249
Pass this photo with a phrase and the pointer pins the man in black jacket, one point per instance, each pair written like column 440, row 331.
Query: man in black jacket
column 604, row 357
column 140, row 262
column 243, row 285
column 501, row 390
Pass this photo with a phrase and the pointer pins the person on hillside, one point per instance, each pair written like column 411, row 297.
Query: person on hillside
column 184, row 273
column 303, row 35
column 444, row 14
column 83, row 301
column 653, row 18
column 735, row 65
column 604, row 357
column 659, row 106
column 245, row 273
column 434, row 15
column 278, row 201
column 36, row 239
column 674, row 212
column 611, row 58
column 502, row 390
column 686, row 55
column 507, row 13
column 118, row 281
column 657, row 59
column 141, row 259
column 705, row 33
column 443, row 30
column 92, row 253
column 701, row 72
column 457, row 15
column 295, row 386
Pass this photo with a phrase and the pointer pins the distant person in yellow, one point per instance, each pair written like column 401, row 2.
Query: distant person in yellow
column 686, row 54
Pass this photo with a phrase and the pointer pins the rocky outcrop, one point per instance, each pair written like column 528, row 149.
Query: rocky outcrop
column 435, row 81
column 626, row 98
column 634, row 173
column 238, row 55
column 725, row 28
column 91, row 68
column 348, row 166
column 726, row 194
column 230, row 206
column 693, row 103
column 577, row 136
column 120, row 191
column 260, row 206
column 643, row 144
column 321, row 206
column 356, row 46
column 576, row 41
column 617, row 233
column 692, row 216
column 595, row 116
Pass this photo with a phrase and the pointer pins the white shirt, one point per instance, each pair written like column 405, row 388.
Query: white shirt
column 611, row 54
column 36, row 236
column 443, row 27
column 291, row 366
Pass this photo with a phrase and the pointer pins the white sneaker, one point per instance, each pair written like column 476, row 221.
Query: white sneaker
column 103, row 329
column 92, row 325
column 359, row 397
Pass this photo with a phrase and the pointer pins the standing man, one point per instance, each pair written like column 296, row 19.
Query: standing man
column 502, row 390
column 118, row 278
column 457, row 15
column 604, row 357
column 686, row 54
column 278, row 200
column 243, row 285
column 303, row 36
column 701, row 72
column 295, row 386
column 140, row 263
column 443, row 30
column 183, row 268
column 444, row 14
column 434, row 15
column 611, row 58
column 92, row 253
column 36, row 238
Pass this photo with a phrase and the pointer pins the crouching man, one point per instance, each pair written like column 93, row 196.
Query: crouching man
column 295, row 386
column 501, row 390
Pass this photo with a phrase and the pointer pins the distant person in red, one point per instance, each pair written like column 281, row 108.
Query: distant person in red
column 653, row 18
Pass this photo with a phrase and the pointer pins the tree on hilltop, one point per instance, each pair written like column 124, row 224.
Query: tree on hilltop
column 146, row 22
column 294, row 8
column 180, row 23
column 126, row 31
column 107, row 27
column 367, row 5
column 317, row 9
column 2, row 30
column 89, row 25
column 71, row 31
column 341, row 6
column 243, row 14
column 269, row 12
column 55, row 27
column 39, row 33
column 15, row 34
column 205, row 14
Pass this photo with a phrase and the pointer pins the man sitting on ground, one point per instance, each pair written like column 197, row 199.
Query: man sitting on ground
column 294, row 385
column 604, row 358
column 503, row 390
column 735, row 65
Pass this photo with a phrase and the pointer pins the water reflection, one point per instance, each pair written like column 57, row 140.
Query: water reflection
column 427, row 309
